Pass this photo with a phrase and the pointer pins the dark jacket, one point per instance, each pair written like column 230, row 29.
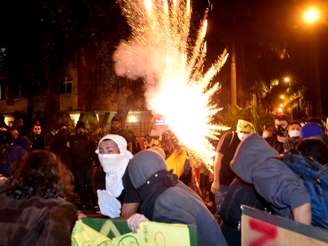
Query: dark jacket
column 257, row 163
column 36, row 221
column 81, row 150
column 171, row 202
column 179, row 204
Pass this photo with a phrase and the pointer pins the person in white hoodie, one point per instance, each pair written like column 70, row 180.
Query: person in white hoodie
column 114, row 158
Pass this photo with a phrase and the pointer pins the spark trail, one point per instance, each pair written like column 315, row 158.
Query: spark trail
column 177, row 88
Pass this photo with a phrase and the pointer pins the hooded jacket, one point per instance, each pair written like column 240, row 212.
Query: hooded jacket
column 175, row 204
column 257, row 163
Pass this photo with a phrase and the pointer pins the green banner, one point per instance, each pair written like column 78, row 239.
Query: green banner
column 94, row 232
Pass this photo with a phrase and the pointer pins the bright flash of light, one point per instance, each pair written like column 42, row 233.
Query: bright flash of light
column 160, row 51
column 311, row 15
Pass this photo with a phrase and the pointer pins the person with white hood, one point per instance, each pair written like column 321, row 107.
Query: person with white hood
column 117, row 199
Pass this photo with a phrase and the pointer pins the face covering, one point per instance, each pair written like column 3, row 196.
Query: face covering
column 242, row 136
column 114, row 165
column 294, row 133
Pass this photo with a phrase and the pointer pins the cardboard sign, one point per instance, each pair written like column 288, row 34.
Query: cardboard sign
column 262, row 229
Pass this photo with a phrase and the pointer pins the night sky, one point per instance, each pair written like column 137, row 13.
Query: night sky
column 39, row 32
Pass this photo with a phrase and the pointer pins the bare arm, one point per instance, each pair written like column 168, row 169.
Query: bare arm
column 302, row 214
column 217, row 168
column 129, row 209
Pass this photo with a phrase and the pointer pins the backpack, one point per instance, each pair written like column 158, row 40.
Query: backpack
column 315, row 178
column 240, row 193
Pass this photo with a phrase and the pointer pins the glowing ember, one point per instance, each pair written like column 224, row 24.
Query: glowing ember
column 176, row 87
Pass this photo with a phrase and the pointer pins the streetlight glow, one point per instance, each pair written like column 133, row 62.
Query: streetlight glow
column 282, row 96
column 311, row 15
column 287, row 79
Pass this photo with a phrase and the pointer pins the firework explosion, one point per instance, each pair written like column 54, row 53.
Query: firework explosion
column 176, row 87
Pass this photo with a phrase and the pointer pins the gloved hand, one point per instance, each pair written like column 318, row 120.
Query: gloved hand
column 108, row 204
column 135, row 220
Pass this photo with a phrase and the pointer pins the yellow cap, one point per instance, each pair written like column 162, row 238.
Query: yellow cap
column 245, row 126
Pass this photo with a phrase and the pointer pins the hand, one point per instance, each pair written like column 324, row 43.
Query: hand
column 135, row 220
column 215, row 187
column 80, row 215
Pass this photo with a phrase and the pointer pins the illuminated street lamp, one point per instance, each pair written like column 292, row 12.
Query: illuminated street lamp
column 282, row 96
column 311, row 15
column 287, row 79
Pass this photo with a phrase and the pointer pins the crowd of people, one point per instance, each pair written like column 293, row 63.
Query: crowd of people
column 45, row 186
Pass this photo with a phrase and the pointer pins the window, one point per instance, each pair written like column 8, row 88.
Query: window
column 66, row 86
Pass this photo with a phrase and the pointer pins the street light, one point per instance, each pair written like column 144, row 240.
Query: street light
column 311, row 15
column 287, row 79
column 282, row 96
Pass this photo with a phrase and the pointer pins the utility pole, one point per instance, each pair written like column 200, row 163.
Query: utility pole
column 233, row 76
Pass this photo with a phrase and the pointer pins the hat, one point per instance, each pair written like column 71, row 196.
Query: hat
column 143, row 165
column 311, row 130
column 245, row 126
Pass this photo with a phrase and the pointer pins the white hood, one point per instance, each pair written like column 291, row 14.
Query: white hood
column 114, row 165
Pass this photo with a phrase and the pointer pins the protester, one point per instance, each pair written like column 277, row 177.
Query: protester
column 60, row 146
column 114, row 158
column 225, row 151
column 32, row 206
column 294, row 136
column 37, row 137
column 178, row 159
column 163, row 198
column 17, row 139
column 12, row 155
column 257, row 163
column 81, row 151
column 280, row 134
column 314, row 149
column 11, row 151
